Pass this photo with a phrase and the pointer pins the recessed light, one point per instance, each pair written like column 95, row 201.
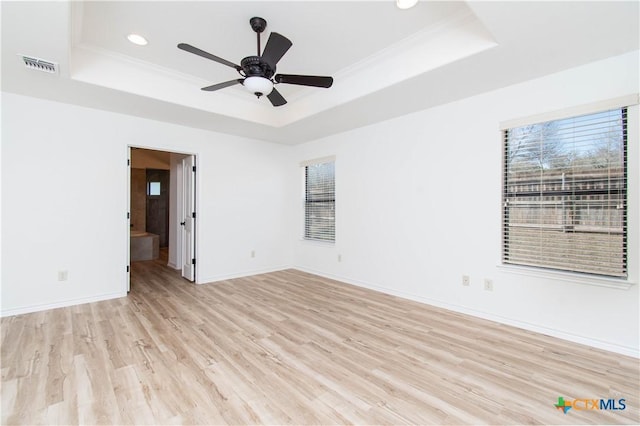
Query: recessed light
column 406, row 4
column 137, row 39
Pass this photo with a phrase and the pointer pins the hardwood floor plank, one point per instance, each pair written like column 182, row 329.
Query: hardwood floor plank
column 292, row 348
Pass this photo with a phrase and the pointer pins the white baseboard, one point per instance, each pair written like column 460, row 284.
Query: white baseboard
column 173, row 265
column 62, row 304
column 607, row 346
column 248, row 273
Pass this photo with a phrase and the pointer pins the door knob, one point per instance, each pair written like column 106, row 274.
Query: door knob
column 182, row 223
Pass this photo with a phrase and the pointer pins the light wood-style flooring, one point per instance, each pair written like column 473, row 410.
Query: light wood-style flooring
column 292, row 348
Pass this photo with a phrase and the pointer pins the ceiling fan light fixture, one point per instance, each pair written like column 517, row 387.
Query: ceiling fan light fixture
column 258, row 85
column 406, row 4
column 137, row 39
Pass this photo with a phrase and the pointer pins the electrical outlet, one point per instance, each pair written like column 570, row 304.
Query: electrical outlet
column 466, row 280
column 339, row 258
column 488, row 284
column 253, row 253
column 63, row 275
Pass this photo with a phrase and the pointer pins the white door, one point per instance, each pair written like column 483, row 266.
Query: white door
column 189, row 218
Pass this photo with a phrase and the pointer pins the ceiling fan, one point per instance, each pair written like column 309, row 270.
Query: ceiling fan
column 259, row 72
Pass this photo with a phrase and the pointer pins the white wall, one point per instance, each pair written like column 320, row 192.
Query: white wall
column 61, row 212
column 418, row 206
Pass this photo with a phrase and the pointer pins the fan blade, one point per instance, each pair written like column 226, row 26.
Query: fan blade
column 188, row 48
column 276, row 47
column 305, row 80
column 222, row 85
column 276, row 98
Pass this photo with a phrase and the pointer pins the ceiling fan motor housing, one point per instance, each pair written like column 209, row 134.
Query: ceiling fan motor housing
column 254, row 66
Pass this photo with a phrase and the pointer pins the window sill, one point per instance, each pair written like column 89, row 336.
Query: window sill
column 619, row 284
column 321, row 243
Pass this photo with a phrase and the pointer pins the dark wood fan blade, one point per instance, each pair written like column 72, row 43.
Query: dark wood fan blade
column 222, row 85
column 305, row 80
column 188, row 48
column 276, row 98
column 276, row 47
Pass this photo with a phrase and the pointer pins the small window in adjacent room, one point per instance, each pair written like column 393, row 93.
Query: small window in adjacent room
column 319, row 201
column 565, row 194
column 154, row 188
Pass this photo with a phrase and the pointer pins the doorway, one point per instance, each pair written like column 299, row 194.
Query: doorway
column 161, row 214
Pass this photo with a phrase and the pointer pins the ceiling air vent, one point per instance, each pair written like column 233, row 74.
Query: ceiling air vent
column 39, row 64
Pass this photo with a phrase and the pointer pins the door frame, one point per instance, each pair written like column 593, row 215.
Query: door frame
column 177, row 202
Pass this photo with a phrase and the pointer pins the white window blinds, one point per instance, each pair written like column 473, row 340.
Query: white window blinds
column 320, row 201
column 565, row 194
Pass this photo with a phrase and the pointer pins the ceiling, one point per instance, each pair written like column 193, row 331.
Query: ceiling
column 386, row 62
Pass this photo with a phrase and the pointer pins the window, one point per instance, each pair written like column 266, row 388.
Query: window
column 565, row 194
column 319, row 201
column 154, row 188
